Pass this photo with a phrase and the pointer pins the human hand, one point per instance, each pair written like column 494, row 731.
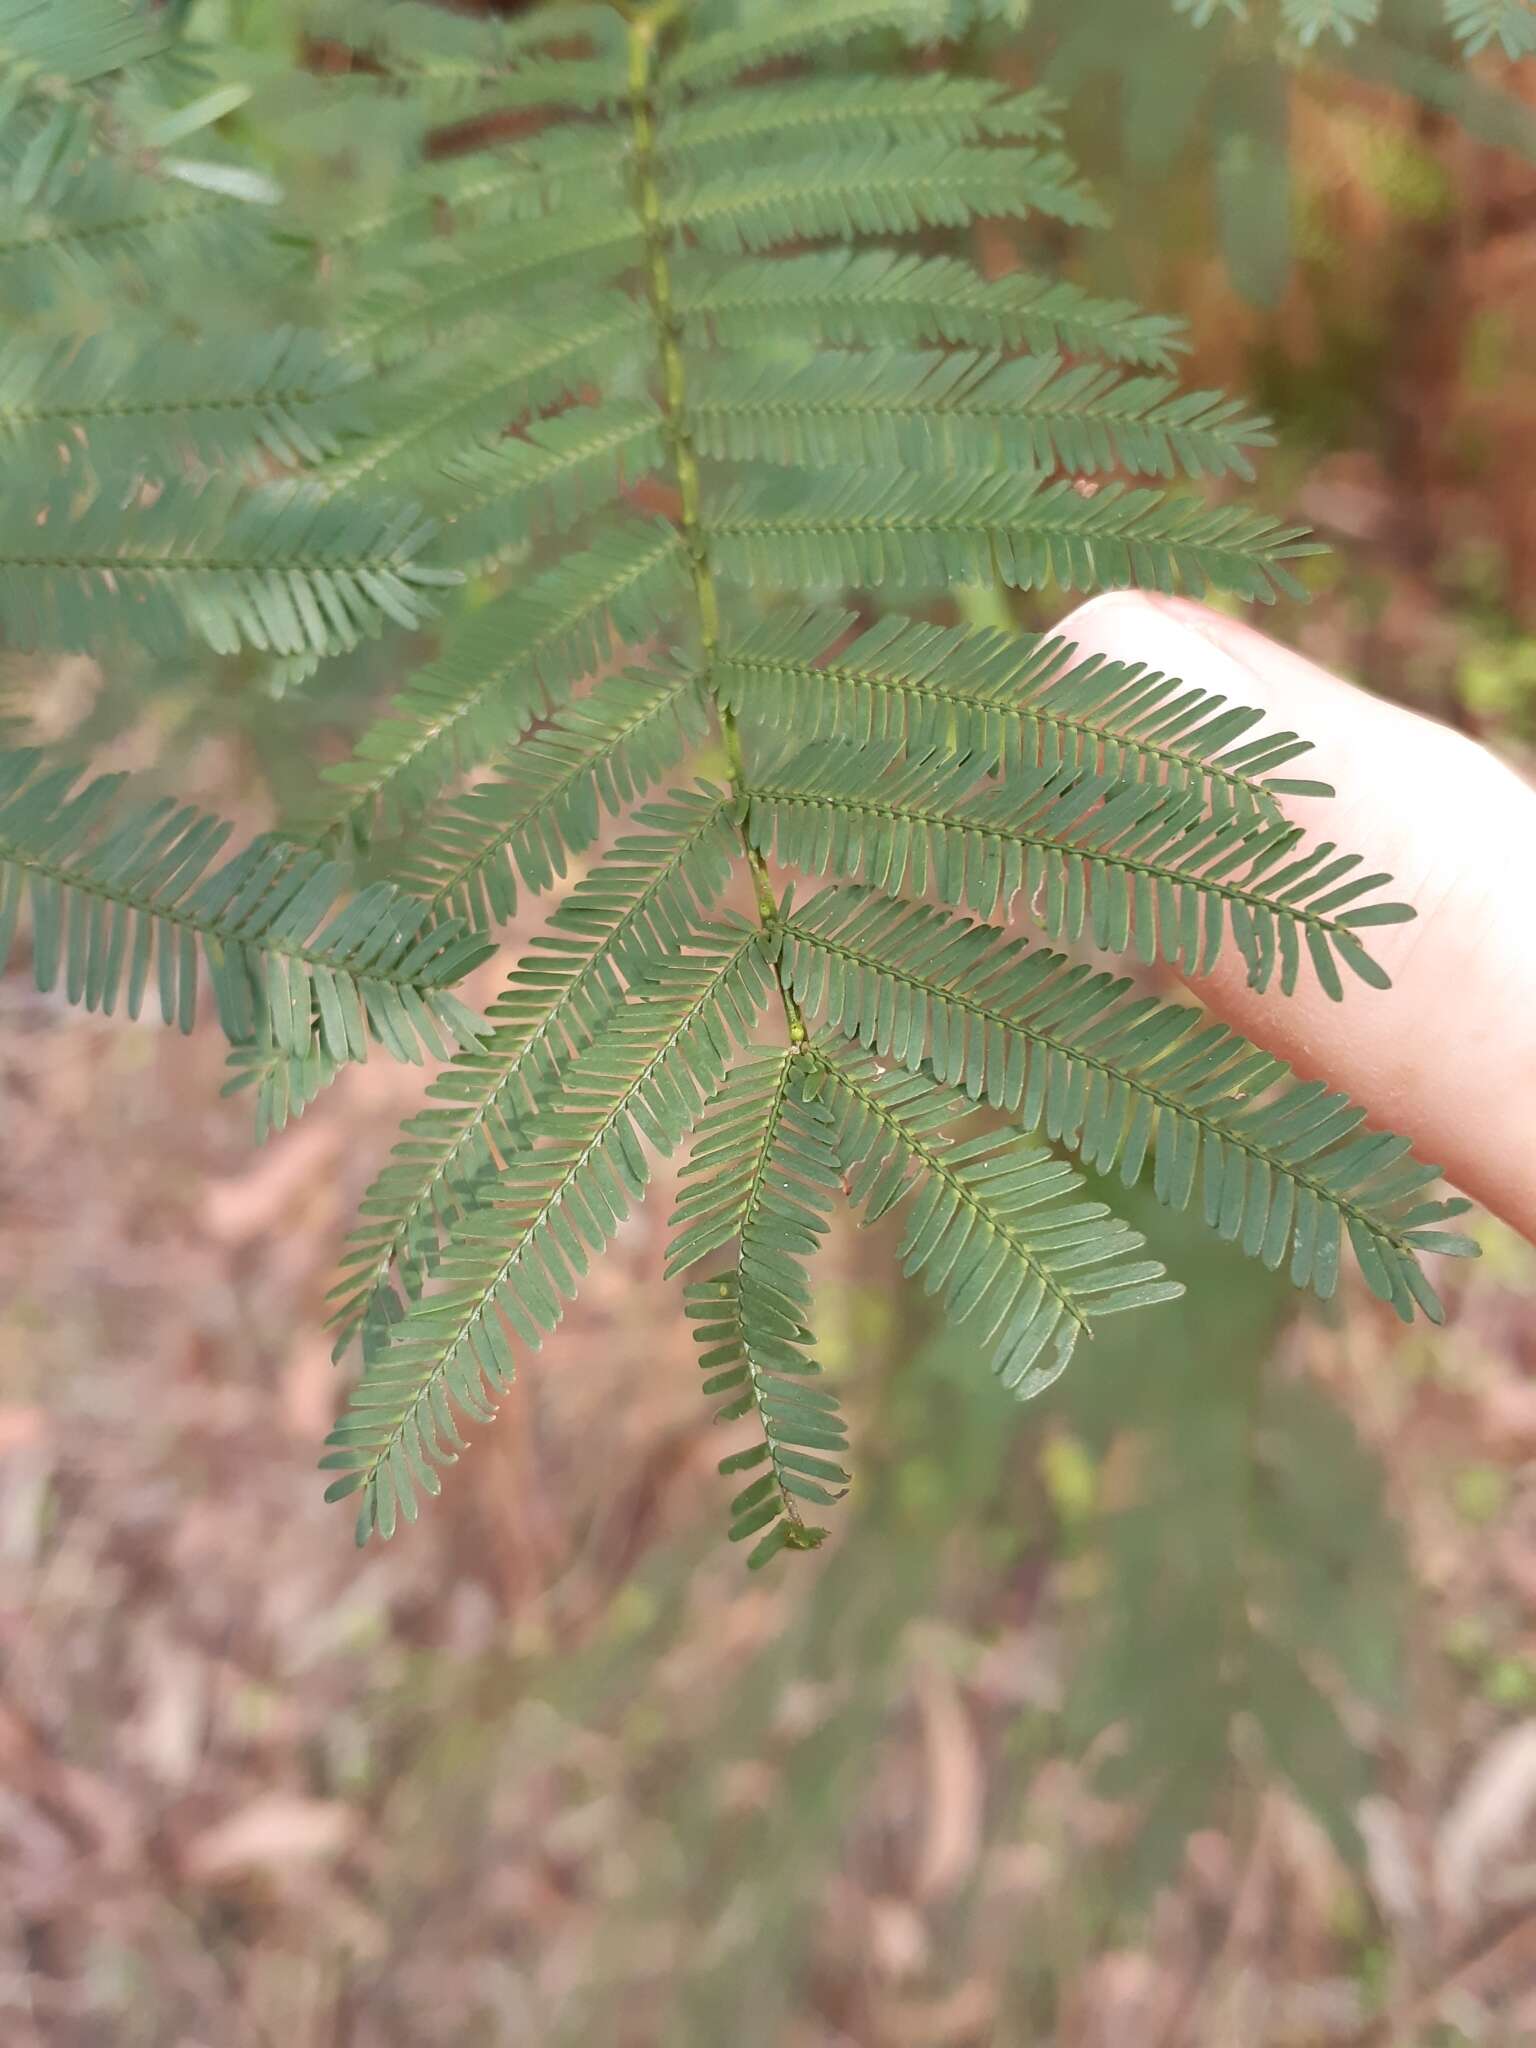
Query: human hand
column 1447, row 1055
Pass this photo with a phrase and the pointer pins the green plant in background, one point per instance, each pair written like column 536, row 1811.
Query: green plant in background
column 1476, row 24
column 687, row 368
column 1223, row 90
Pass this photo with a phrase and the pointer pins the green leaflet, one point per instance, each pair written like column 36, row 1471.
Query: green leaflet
column 527, row 180
column 1480, row 24
column 1283, row 1173
column 484, row 275
column 925, row 103
column 990, row 1225
column 545, row 801
column 952, row 408
column 545, row 479
column 763, row 1175
column 413, row 36
column 1128, row 865
column 634, row 910
column 555, row 1204
column 110, row 220
column 116, row 405
column 285, row 569
column 506, row 666
column 72, row 45
column 452, row 401
column 122, row 902
column 895, row 295
column 1310, row 20
column 880, row 188
column 285, row 1083
column 798, row 29
column 872, row 527
column 1008, row 700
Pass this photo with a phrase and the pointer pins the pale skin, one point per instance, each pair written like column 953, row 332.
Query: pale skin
column 1447, row 1055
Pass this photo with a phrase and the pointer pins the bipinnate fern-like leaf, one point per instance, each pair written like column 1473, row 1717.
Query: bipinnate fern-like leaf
column 802, row 438
column 679, row 340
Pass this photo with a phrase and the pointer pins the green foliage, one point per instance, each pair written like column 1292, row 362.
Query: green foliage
column 1120, row 864
column 1477, row 24
column 1277, row 1162
column 117, row 897
column 764, row 1175
column 287, row 568
column 561, row 1194
column 115, row 406
column 1249, row 1583
column 1004, row 701
column 656, row 437
column 973, row 411
column 1213, row 82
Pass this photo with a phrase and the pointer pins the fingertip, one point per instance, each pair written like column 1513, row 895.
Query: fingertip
column 1443, row 1046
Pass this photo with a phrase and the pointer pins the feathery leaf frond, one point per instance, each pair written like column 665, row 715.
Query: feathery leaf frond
column 894, row 296
column 1009, row 701
column 1129, row 866
column 763, row 1174
column 955, row 408
column 118, row 899
column 992, row 1227
column 866, row 528
column 1280, row 1163
column 525, row 1248
column 507, row 665
column 565, row 295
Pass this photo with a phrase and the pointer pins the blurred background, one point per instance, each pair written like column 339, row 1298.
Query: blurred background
column 1193, row 1704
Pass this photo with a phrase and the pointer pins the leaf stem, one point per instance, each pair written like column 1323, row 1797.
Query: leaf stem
column 645, row 28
